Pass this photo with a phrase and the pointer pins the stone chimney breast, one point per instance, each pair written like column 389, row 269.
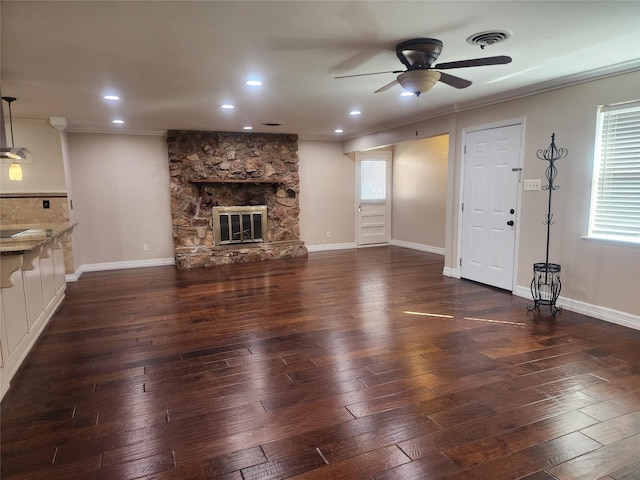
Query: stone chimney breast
column 226, row 169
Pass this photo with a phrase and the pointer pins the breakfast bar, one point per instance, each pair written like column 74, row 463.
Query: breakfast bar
column 32, row 286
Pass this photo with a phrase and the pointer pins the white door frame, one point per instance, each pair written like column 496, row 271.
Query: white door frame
column 517, row 121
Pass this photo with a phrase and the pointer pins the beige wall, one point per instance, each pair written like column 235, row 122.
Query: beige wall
column 601, row 274
column 420, row 191
column 46, row 175
column 327, row 194
column 120, row 197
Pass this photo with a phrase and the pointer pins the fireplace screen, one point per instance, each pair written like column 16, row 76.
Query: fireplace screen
column 239, row 224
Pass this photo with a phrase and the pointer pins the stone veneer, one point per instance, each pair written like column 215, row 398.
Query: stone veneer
column 233, row 169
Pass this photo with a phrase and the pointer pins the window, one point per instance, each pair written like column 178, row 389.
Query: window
column 615, row 202
column 373, row 176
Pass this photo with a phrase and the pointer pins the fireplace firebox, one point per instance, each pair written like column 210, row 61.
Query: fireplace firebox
column 239, row 224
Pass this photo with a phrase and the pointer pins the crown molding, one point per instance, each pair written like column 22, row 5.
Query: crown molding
column 530, row 90
column 81, row 129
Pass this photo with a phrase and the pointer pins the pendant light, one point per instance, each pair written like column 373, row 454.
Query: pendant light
column 15, row 154
column 15, row 172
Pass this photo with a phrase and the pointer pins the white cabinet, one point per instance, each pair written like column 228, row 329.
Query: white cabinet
column 32, row 288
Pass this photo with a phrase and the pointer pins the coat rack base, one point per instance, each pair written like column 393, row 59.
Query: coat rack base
column 545, row 286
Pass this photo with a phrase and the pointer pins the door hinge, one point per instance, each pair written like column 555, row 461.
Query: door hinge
column 460, row 261
column 465, row 150
column 519, row 170
column 463, row 206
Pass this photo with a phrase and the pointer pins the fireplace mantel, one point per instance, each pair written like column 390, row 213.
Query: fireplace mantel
column 236, row 181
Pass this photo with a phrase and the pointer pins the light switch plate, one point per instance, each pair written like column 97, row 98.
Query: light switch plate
column 532, row 184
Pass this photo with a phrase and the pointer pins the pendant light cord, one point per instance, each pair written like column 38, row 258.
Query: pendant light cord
column 9, row 100
column 11, row 124
column 417, row 99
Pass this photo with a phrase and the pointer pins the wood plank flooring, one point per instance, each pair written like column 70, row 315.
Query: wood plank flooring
column 361, row 364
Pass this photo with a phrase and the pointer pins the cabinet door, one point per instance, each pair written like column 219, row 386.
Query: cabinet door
column 16, row 321
column 58, row 267
column 48, row 276
column 32, row 276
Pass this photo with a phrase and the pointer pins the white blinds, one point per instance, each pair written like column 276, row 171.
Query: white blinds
column 616, row 207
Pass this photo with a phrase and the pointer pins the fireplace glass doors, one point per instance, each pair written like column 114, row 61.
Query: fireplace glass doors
column 233, row 225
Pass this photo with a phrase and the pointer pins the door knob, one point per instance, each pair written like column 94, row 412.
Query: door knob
column 510, row 223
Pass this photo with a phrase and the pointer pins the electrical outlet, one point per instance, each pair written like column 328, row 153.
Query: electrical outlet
column 532, row 184
column 145, row 247
column 46, row 204
column 328, row 233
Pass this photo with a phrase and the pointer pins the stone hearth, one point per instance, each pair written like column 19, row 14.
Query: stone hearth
column 233, row 169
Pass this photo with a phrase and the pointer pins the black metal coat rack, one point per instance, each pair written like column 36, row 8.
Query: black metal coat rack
column 546, row 285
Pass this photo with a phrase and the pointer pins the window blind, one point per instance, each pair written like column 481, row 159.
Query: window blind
column 615, row 209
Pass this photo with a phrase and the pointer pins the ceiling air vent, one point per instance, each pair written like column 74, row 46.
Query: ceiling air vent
column 489, row 38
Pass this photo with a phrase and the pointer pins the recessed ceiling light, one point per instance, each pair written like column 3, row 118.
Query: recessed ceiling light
column 338, row 130
column 227, row 106
column 119, row 122
column 355, row 112
column 254, row 83
column 247, row 128
column 111, row 97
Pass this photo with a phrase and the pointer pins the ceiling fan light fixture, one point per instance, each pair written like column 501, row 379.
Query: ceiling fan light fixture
column 418, row 81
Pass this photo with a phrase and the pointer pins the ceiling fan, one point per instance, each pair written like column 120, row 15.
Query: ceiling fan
column 418, row 55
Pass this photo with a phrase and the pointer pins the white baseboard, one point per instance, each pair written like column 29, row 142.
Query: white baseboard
column 418, row 246
column 331, row 246
column 97, row 267
column 595, row 311
column 451, row 272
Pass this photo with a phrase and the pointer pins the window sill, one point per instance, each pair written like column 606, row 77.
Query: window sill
column 612, row 241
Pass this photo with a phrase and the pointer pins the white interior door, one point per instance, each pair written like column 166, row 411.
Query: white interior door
column 490, row 193
column 374, row 197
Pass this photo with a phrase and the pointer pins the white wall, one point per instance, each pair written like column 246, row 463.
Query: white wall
column 46, row 174
column 121, row 198
column 327, row 194
column 420, row 171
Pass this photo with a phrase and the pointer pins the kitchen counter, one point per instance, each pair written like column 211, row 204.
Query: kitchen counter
column 32, row 237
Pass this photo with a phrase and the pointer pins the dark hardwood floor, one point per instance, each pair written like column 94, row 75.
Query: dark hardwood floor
column 363, row 364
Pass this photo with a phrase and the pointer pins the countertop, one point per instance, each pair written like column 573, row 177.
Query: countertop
column 37, row 235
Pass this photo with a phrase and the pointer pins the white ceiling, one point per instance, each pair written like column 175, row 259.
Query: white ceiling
column 173, row 63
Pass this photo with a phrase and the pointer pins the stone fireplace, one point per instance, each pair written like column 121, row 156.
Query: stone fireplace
column 217, row 179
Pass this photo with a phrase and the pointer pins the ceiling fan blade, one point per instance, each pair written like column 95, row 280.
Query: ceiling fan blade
column 355, row 61
column 387, row 86
column 454, row 81
column 474, row 62
column 365, row 74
